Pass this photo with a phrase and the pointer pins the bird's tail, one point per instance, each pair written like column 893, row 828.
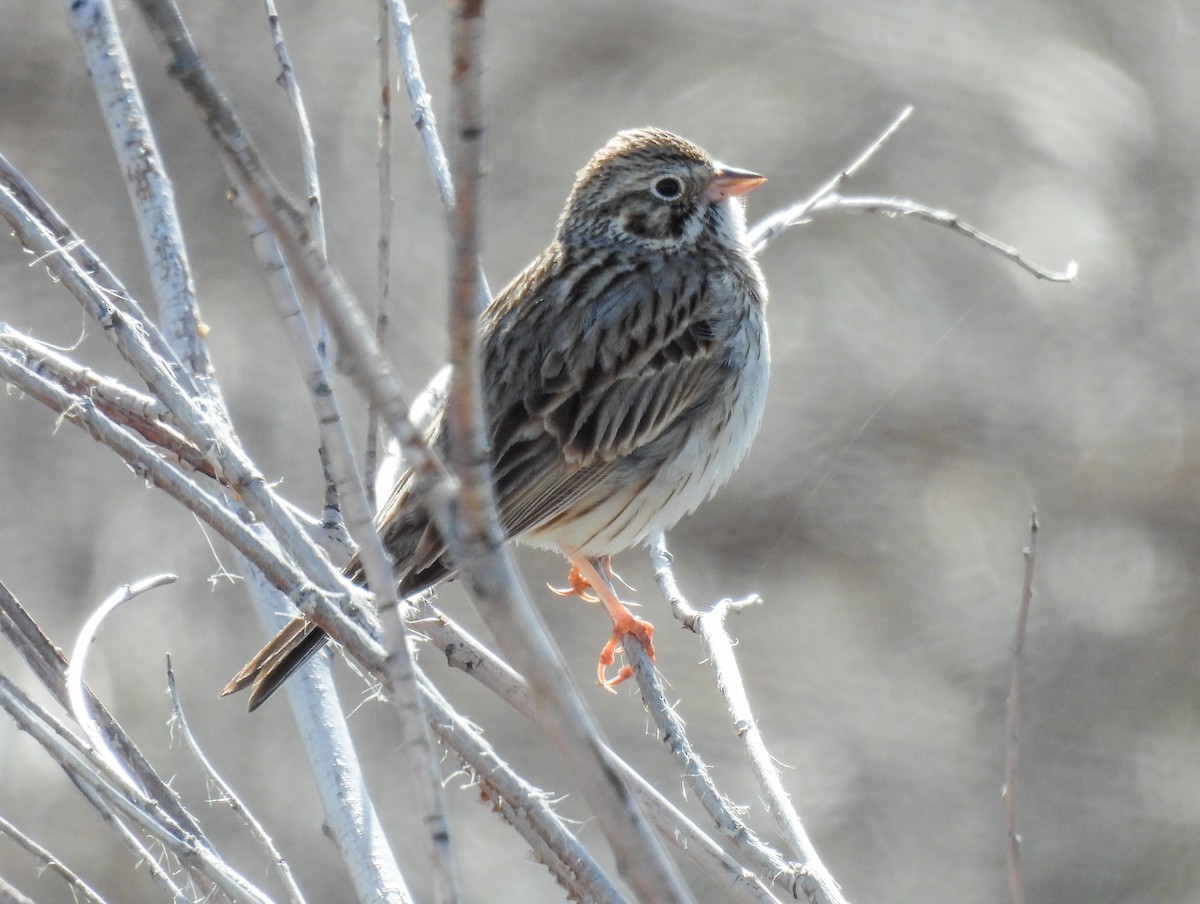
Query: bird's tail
column 299, row 640
column 411, row 539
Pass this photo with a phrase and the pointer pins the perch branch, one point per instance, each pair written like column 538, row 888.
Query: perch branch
column 813, row 879
column 465, row 653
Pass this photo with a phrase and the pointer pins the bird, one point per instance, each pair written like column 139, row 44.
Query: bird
column 624, row 376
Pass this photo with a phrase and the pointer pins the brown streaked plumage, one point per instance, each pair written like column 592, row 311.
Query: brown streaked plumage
column 624, row 376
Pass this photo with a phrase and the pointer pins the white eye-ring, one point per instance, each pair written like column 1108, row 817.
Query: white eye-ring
column 668, row 188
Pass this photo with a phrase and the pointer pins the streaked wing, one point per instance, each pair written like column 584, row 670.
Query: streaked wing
column 569, row 407
column 593, row 397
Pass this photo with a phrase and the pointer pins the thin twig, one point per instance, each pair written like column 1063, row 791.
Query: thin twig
column 827, row 197
column 10, row 894
column 201, row 420
column 1012, row 721
column 308, row 153
column 814, row 879
column 119, row 798
column 421, row 104
column 228, row 796
column 387, row 201
column 319, row 605
column 523, row 806
column 106, row 282
column 144, row 414
column 773, row 225
column 365, row 362
column 80, row 705
column 897, row 207
column 79, row 888
column 308, row 147
column 50, row 666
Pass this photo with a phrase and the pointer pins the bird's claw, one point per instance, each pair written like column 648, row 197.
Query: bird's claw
column 637, row 627
column 577, row 586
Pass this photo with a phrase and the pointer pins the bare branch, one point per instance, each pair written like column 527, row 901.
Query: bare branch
column 308, row 147
column 421, row 103
column 817, row 883
column 149, row 186
column 896, row 207
column 366, row 364
column 826, row 197
column 1012, row 720
column 464, row 652
column 119, row 799
column 201, row 420
column 50, row 666
column 80, row 705
column 123, row 405
column 523, row 806
column 486, row 563
column 350, row 818
column 69, row 243
column 227, row 793
column 318, row 605
column 79, row 889
column 773, row 225
column 383, row 281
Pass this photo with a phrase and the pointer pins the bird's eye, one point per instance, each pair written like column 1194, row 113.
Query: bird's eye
column 668, row 188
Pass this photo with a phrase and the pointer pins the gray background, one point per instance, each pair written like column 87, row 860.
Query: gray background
column 925, row 395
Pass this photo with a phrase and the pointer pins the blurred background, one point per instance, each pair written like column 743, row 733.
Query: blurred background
column 926, row 395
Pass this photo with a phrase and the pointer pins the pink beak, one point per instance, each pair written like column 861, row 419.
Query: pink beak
column 730, row 182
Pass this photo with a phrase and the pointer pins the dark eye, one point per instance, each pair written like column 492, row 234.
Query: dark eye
column 668, row 188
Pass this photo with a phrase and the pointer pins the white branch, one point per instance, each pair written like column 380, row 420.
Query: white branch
column 80, row 704
column 227, row 793
column 816, row 882
column 149, row 186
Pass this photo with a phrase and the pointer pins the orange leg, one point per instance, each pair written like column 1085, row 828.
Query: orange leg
column 585, row 577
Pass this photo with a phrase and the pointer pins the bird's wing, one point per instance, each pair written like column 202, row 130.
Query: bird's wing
column 585, row 370
column 589, row 375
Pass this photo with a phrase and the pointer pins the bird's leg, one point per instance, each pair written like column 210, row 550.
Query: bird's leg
column 595, row 575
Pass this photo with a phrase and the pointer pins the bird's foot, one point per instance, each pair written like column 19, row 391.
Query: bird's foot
column 630, row 624
column 592, row 580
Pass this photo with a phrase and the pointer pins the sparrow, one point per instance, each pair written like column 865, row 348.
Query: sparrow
column 624, row 375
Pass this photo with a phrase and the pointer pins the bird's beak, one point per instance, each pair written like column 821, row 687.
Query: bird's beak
column 730, row 182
